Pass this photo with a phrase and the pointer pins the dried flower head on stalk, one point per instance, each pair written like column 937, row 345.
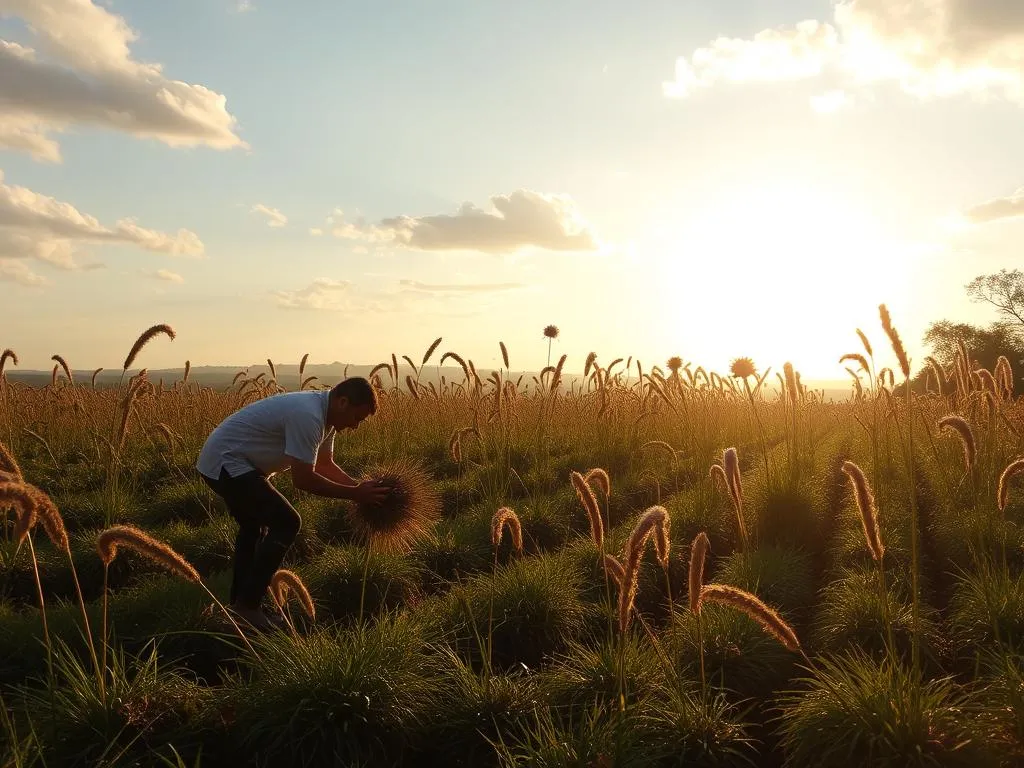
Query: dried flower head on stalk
column 959, row 425
column 502, row 519
column 642, row 531
column 751, row 605
column 866, row 507
column 1012, row 469
column 589, row 501
column 698, row 556
column 284, row 583
column 128, row 536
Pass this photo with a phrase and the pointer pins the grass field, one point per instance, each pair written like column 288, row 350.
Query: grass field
column 846, row 589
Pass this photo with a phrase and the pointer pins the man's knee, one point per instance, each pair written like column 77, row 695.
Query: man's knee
column 286, row 524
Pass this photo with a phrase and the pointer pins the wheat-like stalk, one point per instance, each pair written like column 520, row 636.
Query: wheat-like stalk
column 8, row 354
column 8, row 463
column 959, row 425
column 614, row 568
column 502, row 519
column 1012, row 469
column 20, row 498
column 865, row 342
column 717, row 474
column 589, row 501
column 894, row 339
column 866, row 507
column 859, row 359
column 64, row 365
column 634, row 550
column 147, row 336
column 751, row 605
column 589, row 363
column 698, row 556
column 504, row 354
column 128, row 536
column 987, row 381
column 792, row 387
column 50, row 517
column 598, row 477
column 940, row 375
column 285, row 582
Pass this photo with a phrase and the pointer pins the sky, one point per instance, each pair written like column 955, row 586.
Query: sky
column 351, row 179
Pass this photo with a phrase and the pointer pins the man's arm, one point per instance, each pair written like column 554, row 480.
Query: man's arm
column 306, row 478
column 325, row 467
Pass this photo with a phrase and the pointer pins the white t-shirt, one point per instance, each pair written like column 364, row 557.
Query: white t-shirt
column 265, row 435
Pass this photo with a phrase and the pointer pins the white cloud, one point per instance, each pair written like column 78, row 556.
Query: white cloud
column 322, row 293
column 274, row 217
column 315, row 231
column 18, row 272
column 83, row 72
column 521, row 219
column 168, row 276
column 996, row 209
column 42, row 228
column 929, row 48
column 830, row 101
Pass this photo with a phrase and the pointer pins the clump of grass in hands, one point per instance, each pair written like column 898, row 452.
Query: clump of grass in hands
column 860, row 711
column 407, row 514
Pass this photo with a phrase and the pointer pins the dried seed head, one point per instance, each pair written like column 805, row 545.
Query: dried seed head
column 130, row 537
column 285, row 582
column 894, row 338
column 589, row 501
column 8, row 463
column 866, row 507
column 1013, row 469
column 638, row 537
column 502, row 519
column 599, row 478
column 144, row 339
column 614, row 569
column 959, row 425
column 698, row 556
column 751, row 605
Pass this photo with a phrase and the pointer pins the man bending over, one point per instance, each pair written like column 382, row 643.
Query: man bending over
column 292, row 430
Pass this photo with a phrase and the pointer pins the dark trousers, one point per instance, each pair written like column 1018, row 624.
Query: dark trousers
column 267, row 526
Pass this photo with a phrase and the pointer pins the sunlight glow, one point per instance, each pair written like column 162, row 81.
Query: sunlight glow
column 778, row 271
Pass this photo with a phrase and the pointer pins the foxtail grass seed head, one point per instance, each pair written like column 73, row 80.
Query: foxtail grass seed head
column 589, row 363
column 430, row 351
column 698, row 556
column 8, row 354
column 940, row 375
column 147, row 336
column 598, row 478
column 64, row 366
column 859, row 360
column 589, row 501
column 731, row 464
column 50, row 517
column 959, row 425
column 614, row 569
column 19, row 497
column 302, row 364
column 662, row 540
column 717, row 474
column 284, row 583
column 792, row 386
column 8, row 463
column 751, row 605
column 502, row 519
column 634, row 551
column 865, row 342
column 128, row 536
column 1013, row 469
column 894, row 339
column 504, row 354
column 866, row 506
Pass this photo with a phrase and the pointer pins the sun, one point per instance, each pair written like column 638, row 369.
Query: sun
column 779, row 271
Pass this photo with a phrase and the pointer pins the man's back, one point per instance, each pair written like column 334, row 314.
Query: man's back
column 263, row 435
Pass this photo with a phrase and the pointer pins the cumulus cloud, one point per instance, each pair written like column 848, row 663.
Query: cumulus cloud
column 41, row 228
column 521, row 219
column 83, row 73
column 273, row 216
column 996, row 209
column 322, row 293
column 315, row 231
column 18, row 272
column 929, row 48
column 415, row 285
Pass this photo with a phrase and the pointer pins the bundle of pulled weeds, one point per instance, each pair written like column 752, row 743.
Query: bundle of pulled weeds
column 407, row 514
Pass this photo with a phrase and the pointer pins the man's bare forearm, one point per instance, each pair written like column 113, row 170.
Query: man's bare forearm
column 335, row 474
column 321, row 486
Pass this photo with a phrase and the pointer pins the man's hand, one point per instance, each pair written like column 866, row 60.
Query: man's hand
column 370, row 493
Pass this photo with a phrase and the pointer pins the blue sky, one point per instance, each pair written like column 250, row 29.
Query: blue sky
column 815, row 172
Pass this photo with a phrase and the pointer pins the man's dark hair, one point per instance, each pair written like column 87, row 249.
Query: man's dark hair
column 358, row 391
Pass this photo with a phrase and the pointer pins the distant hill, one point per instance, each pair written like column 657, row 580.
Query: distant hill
column 220, row 376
